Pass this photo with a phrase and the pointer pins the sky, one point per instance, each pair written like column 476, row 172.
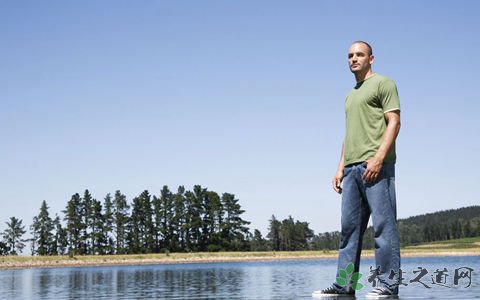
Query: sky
column 244, row 97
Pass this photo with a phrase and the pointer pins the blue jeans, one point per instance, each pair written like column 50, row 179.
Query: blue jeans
column 360, row 200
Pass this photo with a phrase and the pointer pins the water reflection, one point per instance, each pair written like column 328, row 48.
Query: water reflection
column 178, row 282
column 260, row 280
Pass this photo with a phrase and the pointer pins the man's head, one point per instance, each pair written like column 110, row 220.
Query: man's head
column 360, row 58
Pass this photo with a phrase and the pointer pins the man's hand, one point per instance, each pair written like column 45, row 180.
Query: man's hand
column 337, row 181
column 374, row 166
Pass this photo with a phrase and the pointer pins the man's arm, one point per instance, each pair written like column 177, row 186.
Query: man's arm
column 337, row 180
column 374, row 164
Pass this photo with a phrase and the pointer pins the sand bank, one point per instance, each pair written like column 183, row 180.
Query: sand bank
column 25, row 262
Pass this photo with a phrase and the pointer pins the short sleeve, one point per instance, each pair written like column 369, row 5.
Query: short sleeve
column 389, row 96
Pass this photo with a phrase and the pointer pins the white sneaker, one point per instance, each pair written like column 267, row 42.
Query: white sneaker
column 381, row 293
column 331, row 292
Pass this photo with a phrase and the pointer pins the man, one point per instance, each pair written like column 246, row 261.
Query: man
column 365, row 175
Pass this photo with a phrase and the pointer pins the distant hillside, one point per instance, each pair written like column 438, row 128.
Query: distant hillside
column 464, row 213
column 442, row 225
column 438, row 226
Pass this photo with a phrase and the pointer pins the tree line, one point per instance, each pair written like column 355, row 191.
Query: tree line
column 438, row 226
column 443, row 225
column 181, row 221
column 184, row 221
column 197, row 220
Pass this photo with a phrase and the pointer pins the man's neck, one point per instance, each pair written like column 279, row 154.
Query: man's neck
column 364, row 75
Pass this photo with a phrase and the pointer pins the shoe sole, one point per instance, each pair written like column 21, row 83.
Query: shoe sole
column 381, row 296
column 334, row 296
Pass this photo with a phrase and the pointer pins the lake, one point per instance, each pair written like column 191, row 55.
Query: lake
column 423, row 278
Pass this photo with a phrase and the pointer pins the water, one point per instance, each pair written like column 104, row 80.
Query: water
column 255, row 280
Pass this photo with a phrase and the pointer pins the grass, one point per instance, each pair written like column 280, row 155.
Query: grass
column 454, row 244
column 470, row 240
column 9, row 262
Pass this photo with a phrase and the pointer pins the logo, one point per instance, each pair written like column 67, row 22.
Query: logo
column 347, row 278
column 461, row 277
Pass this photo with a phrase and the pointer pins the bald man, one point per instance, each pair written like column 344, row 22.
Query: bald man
column 366, row 176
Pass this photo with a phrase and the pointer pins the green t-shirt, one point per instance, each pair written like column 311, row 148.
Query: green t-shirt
column 365, row 107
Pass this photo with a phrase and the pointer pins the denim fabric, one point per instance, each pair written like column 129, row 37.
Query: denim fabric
column 359, row 201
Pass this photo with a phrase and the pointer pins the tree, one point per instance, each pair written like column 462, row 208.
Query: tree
column 326, row 241
column 121, row 220
column 167, row 210
column 108, row 221
column 34, row 238
column 60, row 242
column 258, row 243
column 42, row 229
column 178, row 226
column 74, row 225
column 194, row 212
column 158, row 221
column 88, row 223
column 135, row 229
column 13, row 236
column 98, row 237
column 302, row 236
column 287, row 229
column 291, row 235
column 141, row 234
column 163, row 210
column 211, row 221
column 4, row 249
column 233, row 226
column 274, row 234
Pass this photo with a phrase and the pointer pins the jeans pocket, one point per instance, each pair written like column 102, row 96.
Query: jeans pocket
column 346, row 171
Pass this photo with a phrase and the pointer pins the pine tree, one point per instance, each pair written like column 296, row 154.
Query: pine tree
column 178, row 222
column 141, row 235
column 208, row 222
column 213, row 221
column 34, row 238
column 42, row 229
column 195, row 212
column 60, row 242
column 286, row 234
column 167, row 206
column 87, row 223
column 302, row 236
column 108, row 221
column 98, row 238
column 121, row 221
column 4, row 249
column 74, row 225
column 158, row 221
column 149, row 244
column 163, row 210
column 187, row 227
column 258, row 243
column 12, row 236
column 274, row 234
column 233, row 226
column 136, row 228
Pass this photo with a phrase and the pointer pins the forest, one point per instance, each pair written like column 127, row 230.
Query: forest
column 438, row 226
column 195, row 221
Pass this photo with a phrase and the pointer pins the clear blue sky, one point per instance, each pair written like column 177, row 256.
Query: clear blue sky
column 245, row 97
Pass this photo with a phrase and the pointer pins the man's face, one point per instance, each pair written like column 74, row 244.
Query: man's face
column 359, row 58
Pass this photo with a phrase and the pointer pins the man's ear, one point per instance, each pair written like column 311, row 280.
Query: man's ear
column 372, row 58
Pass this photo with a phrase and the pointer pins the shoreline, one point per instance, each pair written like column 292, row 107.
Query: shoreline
column 38, row 262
